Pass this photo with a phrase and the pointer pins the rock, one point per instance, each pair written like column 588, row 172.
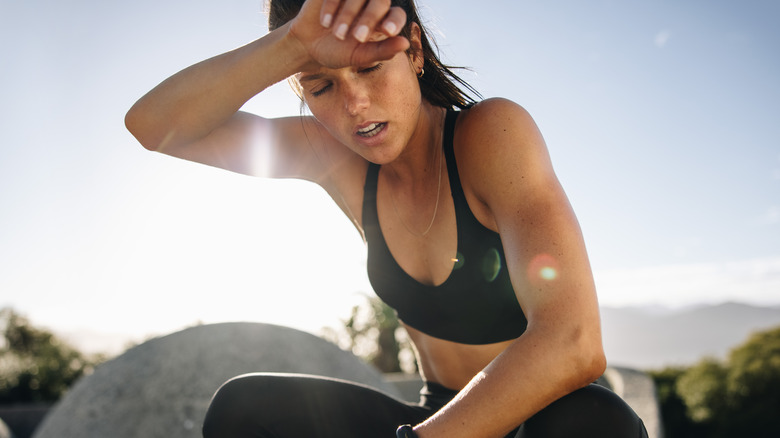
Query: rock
column 162, row 387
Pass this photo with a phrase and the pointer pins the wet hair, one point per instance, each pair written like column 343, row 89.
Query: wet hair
column 439, row 85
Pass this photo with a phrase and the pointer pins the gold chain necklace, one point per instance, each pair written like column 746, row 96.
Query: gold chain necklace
column 435, row 207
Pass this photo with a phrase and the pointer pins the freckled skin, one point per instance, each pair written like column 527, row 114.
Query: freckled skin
column 503, row 165
column 390, row 95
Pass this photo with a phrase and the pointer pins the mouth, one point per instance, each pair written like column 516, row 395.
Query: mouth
column 371, row 130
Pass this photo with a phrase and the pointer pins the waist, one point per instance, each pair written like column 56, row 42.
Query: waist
column 435, row 396
column 451, row 364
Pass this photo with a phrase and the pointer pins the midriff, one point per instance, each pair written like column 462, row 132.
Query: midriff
column 449, row 363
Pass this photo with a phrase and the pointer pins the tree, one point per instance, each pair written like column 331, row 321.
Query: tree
column 737, row 397
column 753, row 387
column 373, row 333
column 703, row 389
column 36, row 366
column 676, row 422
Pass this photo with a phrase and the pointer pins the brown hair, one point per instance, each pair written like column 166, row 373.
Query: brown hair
column 439, row 85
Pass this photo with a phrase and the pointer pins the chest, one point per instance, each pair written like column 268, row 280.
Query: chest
column 421, row 233
column 453, row 285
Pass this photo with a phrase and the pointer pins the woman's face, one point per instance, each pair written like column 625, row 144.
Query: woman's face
column 372, row 109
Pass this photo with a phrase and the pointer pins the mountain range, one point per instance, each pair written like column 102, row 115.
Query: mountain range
column 644, row 338
column 649, row 338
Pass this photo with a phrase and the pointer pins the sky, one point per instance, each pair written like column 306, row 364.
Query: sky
column 662, row 120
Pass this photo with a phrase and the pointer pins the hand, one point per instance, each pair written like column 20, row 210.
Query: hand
column 342, row 33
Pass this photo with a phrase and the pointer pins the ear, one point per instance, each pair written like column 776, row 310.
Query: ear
column 416, row 57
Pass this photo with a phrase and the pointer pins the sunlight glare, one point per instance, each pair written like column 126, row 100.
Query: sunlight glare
column 260, row 153
column 543, row 267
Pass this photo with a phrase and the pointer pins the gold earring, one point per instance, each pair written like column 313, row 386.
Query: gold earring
column 422, row 72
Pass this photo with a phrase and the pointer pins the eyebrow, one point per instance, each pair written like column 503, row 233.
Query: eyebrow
column 309, row 78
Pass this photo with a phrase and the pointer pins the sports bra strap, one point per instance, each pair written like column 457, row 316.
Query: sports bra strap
column 449, row 153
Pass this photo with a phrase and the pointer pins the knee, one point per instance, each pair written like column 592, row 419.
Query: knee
column 223, row 406
column 593, row 411
column 235, row 405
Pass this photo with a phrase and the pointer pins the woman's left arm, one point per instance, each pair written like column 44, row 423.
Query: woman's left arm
column 505, row 166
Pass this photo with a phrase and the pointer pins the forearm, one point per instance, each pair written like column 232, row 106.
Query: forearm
column 192, row 103
column 534, row 371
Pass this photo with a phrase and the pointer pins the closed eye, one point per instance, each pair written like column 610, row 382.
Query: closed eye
column 370, row 69
column 321, row 91
column 326, row 87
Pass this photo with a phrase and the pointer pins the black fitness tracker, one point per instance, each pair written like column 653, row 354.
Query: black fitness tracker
column 405, row 431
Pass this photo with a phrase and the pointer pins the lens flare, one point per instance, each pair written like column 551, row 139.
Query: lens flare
column 458, row 261
column 543, row 267
column 548, row 273
column 491, row 264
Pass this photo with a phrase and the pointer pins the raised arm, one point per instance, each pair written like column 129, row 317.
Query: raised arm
column 195, row 114
column 506, row 168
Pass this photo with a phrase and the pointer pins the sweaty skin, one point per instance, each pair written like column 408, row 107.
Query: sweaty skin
column 354, row 88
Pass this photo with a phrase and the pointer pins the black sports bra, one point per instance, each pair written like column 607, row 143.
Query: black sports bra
column 476, row 304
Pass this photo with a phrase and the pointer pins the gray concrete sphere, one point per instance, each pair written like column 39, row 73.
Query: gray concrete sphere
column 162, row 387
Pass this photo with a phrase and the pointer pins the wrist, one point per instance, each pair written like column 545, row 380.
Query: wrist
column 275, row 57
column 301, row 58
column 405, row 431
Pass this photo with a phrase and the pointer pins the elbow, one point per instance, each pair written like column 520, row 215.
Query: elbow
column 580, row 355
column 590, row 360
column 596, row 365
column 139, row 128
column 576, row 354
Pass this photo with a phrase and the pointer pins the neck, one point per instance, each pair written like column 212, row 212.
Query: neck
column 419, row 161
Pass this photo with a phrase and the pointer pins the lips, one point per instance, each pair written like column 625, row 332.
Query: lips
column 370, row 129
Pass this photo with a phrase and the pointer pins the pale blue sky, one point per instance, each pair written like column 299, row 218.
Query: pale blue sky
column 662, row 119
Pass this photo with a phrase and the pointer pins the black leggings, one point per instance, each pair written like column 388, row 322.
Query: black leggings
column 297, row 406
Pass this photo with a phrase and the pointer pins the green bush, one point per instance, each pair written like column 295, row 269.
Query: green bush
column 35, row 366
column 737, row 397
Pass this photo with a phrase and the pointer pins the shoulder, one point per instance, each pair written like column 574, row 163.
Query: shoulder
column 499, row 146
column 495, row 106
column 496, row 118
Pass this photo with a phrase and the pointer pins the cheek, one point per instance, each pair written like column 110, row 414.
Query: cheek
column 331, row 120
column 319, row 109
column 402, row 91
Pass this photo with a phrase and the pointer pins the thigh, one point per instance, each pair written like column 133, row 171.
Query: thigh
column 289, row 405
column 593, row 411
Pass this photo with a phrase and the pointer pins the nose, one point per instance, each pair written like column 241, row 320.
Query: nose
column 355, row 98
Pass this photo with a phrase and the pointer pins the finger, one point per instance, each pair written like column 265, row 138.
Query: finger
column 328, row 11
column 374, row 12
column 394, row 21
column 346, row 16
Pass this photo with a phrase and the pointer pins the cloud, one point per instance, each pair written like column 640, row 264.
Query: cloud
column 662, row 38
column 751, row 281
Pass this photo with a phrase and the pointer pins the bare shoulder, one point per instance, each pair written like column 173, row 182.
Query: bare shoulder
column 497, row 118
column 301, row 148
column 499, row 148
column 335, row 168
column 304, row 149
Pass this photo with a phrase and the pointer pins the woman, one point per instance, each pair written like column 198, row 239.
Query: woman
column 470, row 237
